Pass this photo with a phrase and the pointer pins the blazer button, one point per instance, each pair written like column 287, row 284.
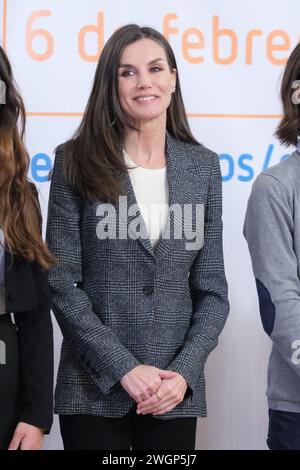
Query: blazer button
column 148, row 290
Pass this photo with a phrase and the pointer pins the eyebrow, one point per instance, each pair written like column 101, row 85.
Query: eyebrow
column 159, row 59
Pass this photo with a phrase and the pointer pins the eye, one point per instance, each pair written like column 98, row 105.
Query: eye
column 127, row 73
column 156, row 68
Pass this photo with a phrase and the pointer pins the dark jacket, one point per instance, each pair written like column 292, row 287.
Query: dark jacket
column 27, row 296
column 121, row 303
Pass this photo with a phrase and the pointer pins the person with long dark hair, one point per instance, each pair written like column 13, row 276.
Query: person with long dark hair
column 272, row 230
column 26, row 344
column 139, row 290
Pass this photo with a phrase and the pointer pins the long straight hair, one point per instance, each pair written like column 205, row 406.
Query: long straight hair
column 288, row 129
column 20, row 215
column 94, row 164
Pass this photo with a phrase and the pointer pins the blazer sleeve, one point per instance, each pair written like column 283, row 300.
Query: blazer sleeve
column 95, row 345
column 208, row 289
column 35, row 336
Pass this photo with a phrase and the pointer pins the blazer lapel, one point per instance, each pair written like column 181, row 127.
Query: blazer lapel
column 178, row 162
column 131, row 200
column 180, row 191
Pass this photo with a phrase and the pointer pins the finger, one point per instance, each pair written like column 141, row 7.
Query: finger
column 28, row 444
column 170, row 407
column 150, row 400
column 25, row 445
column 148, row 403
column 155, row 397
column 160, row 398
column 143, row 397
column 147, row 395
column 167, row 374
column 15, row 442
column 140, row 398
column 160, row 407
column 162, row 404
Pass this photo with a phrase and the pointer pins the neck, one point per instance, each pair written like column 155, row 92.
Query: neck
column 146, row 147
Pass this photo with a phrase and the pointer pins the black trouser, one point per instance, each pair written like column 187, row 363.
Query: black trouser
column 9, row 372
column 284, row 430
column 87, row 432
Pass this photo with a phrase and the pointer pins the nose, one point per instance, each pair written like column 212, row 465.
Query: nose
column 144, row 81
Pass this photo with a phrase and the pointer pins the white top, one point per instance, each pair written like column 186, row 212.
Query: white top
column 151, row 191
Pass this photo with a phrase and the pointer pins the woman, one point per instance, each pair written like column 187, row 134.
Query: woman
column 140, row 308
column 26, row 349
column 272, row 231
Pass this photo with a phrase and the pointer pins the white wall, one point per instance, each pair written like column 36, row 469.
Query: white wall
column 213, row 92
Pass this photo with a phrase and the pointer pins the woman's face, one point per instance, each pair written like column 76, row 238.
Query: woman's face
column 145, row 81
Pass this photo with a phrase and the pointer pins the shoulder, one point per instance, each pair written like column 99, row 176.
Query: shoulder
column 61, row 149
column 281, row 178
column 62, row 154
column 200, row 158
column 203, row 156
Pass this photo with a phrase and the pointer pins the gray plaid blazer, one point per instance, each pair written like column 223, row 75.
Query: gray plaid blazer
column 121, row 303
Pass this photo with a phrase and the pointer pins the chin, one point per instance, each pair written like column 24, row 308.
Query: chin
column 149, row 116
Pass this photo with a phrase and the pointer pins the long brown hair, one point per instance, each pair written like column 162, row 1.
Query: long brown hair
column 95, row 163
column 288, row 129
column 20, row 215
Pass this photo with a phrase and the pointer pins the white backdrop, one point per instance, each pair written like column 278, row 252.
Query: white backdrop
column 230, row 57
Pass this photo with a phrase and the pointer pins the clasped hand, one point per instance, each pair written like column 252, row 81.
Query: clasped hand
column 142, row 383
